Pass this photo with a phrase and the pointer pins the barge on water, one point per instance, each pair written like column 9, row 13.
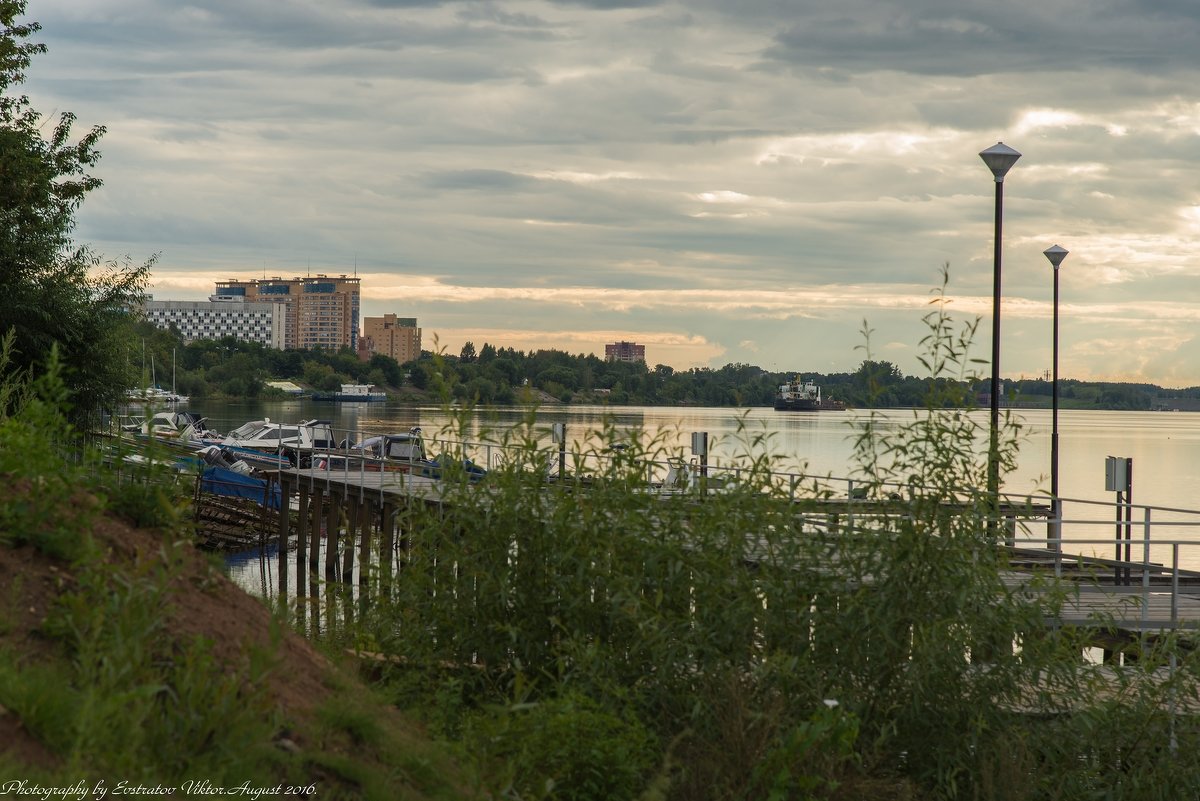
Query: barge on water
column 804, row 396
column 351, row 393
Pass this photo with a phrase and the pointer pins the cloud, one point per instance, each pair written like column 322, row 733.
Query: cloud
column 940, row 37
column 717, row 171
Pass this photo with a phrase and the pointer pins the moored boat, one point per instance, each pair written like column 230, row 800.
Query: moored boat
column 405, row 453
column 351, row 393
column 804, row 396
column 267, row 445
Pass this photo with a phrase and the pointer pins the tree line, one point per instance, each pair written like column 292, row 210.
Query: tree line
column 494, row 375
column 61, row 296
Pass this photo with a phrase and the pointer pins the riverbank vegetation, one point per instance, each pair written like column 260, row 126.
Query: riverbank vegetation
column 588, row 639
column 753, row 651
column 504, row 376
column 57, row 293
column 127, row 656
column 585, row 638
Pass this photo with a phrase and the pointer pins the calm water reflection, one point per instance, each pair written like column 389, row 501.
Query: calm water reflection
column 1165, row 447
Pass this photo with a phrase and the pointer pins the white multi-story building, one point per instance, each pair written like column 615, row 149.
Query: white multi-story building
column 221, row 316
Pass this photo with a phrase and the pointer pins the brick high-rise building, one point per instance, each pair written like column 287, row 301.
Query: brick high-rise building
column 625, row 352
column 398, row 337
column 321, row 311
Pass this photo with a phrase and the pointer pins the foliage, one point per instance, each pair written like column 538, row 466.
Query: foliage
column 56, row 294
column 114, row 691
column 232, row 368
column 725, row 622
column 144, row 706
column 227, row 367
column 46, row 509
column 567, row 748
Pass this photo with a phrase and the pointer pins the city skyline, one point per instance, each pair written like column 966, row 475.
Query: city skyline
column 743, row 183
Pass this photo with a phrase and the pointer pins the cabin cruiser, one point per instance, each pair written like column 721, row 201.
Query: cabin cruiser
column 393, row 453
column 405, row 453
column 265, row 435
column 187, row 428
column 269, row 446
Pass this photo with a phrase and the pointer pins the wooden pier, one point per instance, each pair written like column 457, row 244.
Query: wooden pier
column 362, row 516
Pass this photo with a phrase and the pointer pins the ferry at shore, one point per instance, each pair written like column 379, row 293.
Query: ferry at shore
column 804, row 396
column 355, row 393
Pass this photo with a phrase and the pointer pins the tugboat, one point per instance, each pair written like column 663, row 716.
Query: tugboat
column 804, row 396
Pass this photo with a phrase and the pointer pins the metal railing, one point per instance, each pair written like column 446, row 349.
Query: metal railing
column 1139, row 546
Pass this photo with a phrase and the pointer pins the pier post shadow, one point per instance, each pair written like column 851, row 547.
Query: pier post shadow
column 366, row 517
column 318, row 518
column 302, row 524
column 285, row 520
column 352, row 520
column 387, row 546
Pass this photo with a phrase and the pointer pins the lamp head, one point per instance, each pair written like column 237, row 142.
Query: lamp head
column 1055, row 254
column 999, row 158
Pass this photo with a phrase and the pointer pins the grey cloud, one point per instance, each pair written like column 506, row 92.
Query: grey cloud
column 762, row 144
column 491, row 13
column 976, row 38
column 609, row 5
column 486, row 180
column 406, row 3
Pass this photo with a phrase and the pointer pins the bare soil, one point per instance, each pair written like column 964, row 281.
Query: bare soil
column 203, row 603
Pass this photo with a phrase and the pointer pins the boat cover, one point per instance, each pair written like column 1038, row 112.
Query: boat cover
column 220, row 481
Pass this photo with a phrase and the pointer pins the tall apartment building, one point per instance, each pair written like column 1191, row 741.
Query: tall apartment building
column 320, row 311
column 393, row 336
column 624, row 352
column 221, row 316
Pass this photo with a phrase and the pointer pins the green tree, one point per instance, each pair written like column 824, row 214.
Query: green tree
column 393, row 376
column 467, row 354
column 55, row 291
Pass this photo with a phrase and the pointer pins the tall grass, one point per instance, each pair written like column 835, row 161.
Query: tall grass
column 115, row 692
column 770, row 649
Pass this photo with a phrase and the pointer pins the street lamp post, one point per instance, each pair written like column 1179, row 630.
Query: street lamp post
column 1055, row 254
column 999, row 158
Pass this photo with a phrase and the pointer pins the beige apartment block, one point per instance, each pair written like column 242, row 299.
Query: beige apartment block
column 624, row 352
column 398, row 337
column 321, row 311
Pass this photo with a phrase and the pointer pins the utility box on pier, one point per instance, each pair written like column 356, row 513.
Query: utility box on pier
column 1117, row 473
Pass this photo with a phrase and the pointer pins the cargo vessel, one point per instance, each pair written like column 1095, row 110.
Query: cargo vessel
column 804, row 396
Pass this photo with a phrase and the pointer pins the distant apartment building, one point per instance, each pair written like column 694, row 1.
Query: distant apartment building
column 220, row 317
column 624, row 352
column 320, row 311
column 398, row 337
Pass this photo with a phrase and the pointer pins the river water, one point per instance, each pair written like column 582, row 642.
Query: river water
column 1164, row 446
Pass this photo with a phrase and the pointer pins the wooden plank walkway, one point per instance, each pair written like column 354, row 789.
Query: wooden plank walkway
column 1128, row 609
column 370, row 500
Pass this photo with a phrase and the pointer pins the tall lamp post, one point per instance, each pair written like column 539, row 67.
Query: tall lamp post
column 999, row 158
column 1055, row 254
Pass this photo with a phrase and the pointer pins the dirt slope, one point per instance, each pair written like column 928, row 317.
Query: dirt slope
column 203, row 604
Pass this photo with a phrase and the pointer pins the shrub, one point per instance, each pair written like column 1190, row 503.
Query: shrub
column 565, row 748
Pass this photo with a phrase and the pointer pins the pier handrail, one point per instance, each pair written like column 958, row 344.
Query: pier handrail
column 1073, row 526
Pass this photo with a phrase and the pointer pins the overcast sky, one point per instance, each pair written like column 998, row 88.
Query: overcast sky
column 721, row 181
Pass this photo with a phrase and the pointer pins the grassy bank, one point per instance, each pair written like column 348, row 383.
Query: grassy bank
column 585, row 639
column 127, row 656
